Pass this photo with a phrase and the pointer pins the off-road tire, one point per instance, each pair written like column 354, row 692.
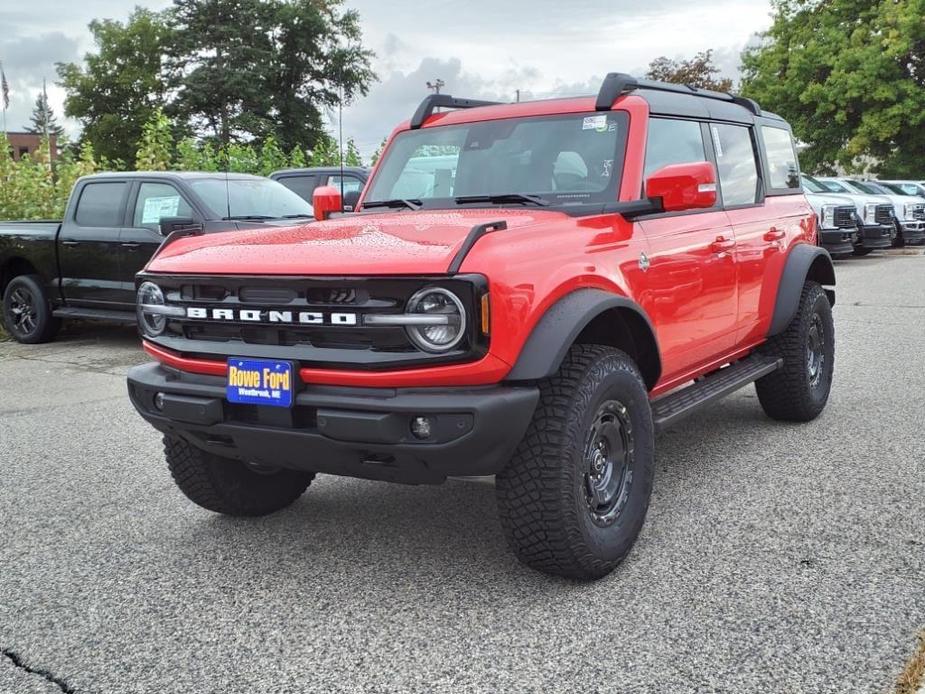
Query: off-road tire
column 40, row 326
column 228, row 486
column 790, row 394
column 541, row 494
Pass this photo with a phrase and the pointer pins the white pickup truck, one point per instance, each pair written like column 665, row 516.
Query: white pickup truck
column 908, row 212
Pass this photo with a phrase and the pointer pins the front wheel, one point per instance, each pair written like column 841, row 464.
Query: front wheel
column 574, row 496
column 799, row 390
column 229, row 486
column 27, row 312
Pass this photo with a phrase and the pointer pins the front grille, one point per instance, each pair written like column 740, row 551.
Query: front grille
column 350, row 344
column 845, row 216
column 884, row 214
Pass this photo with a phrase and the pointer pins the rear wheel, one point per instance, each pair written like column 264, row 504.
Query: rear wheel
column 575, row 494
column 230, row 486
column 27, row 312
column 862, row 251
column 799, row 390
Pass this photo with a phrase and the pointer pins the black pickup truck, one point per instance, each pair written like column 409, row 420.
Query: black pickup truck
column 84, row 266
column 349, row 181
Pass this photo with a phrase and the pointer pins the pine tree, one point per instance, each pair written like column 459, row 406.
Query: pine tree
column 43, row 117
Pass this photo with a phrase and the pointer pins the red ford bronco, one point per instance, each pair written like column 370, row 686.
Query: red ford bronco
column 528, row 290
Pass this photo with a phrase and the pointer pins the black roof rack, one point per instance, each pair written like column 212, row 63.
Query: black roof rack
column 617, row 83
column 426, row 109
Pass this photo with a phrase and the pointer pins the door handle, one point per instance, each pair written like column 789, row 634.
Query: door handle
column 774, row 235
column 70, row 243
column 130, row 244
column 722, row 244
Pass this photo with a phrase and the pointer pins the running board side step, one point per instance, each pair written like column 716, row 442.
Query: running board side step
column 95, row 314
column 673, row 407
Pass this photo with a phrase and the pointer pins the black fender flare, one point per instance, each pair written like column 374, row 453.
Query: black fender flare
column 804, row 262
column 563, row 322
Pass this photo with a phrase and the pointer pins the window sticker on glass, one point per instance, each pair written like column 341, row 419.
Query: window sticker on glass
column 717, row 143
column 598, row 123
column 158, row 208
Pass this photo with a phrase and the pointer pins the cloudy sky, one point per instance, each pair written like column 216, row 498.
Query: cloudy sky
column 480, row 48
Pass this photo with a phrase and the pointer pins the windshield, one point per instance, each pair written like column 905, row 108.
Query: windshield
column 904, row 188
column 253, row 198
column 568, row 159
column 868, row 188
column 813, row 186
column 836, row 187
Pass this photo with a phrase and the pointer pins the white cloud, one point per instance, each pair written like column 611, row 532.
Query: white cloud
column 480, row 48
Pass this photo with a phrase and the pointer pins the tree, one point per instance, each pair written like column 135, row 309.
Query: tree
column 699, row 71
column 156, row 145
column 849, row 75
column 43, row 117
column 248, row 69
column 378, row 153
column 121, row 86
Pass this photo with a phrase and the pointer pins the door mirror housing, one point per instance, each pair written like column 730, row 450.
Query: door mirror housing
column 326, row 201
column 171, row 224
column 683, row 186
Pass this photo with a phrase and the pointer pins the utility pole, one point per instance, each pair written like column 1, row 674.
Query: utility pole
column 518, row 96
column 436, row 85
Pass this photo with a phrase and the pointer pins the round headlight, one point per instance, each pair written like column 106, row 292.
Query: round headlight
column 149, row 294
column 447, row 324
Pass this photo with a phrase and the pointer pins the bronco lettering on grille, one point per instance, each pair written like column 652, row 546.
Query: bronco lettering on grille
column 251, row 315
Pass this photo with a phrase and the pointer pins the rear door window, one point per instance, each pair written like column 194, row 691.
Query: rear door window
column 303, row 186
column 100, row 204
column 735, row 160
column 783, row 169
column 673, row 142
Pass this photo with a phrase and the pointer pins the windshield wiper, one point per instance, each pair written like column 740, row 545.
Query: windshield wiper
column 245, row 217
column 397, row 202
column 300, row 215
column 502, row 198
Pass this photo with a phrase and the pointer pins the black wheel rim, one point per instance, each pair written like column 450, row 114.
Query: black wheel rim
column 608, row 463
column 23, row 311
column 815, row 351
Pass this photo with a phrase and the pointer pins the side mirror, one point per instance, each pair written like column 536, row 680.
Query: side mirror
column 683, row 186
column 326, row 200
column 171, row 224
column 351, row 198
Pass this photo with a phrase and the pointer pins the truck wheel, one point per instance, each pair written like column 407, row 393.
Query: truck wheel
column 26, row 311
column 799, row 390
column 229, row 486
column 574, row 496
column 862, row 251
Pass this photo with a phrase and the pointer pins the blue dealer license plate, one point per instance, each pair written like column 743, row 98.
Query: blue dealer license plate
column 259, row 382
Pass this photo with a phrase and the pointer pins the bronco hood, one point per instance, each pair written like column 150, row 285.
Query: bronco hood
column 393, row 243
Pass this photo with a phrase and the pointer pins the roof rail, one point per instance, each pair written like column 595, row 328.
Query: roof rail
column 617, row 83
column 433, row 101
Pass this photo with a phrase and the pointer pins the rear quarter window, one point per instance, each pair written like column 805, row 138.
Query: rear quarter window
column 783, row 166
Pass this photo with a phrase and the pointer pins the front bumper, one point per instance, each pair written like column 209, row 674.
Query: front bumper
column 913, row 232
column 357, row 432
column 875, row 236
column 839, row 241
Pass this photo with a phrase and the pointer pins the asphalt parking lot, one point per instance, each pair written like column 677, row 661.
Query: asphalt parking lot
column 775, row 558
